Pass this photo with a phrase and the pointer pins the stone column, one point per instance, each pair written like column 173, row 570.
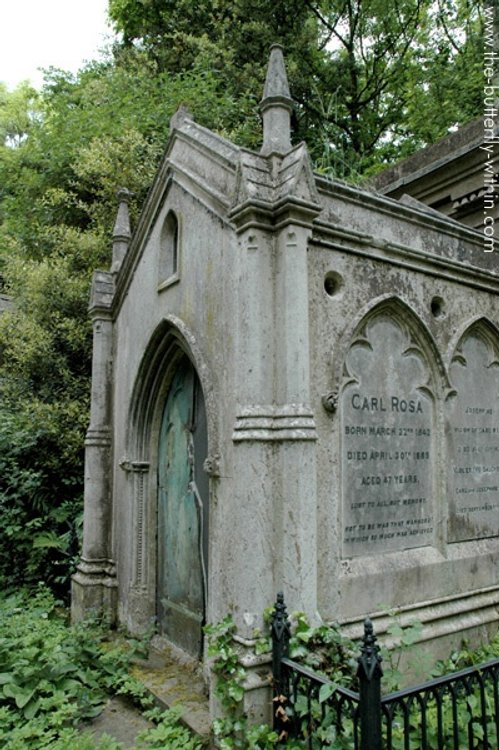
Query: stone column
column 295, row 503
column 252, row 460
column 94, row 583
column 274, row 434
column 273, row 506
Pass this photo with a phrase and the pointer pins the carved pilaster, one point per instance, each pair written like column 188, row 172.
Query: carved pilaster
column 141, row 594
column 140, row 476
column 94, row 584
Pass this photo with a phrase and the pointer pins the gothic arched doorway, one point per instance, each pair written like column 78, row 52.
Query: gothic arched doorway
column 183, row 512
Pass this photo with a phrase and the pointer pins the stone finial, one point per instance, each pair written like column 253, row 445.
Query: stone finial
column 276, row 106
column 121, row 231
column 179, row 117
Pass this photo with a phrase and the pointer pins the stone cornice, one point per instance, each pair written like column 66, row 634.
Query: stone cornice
column 348, row 241
column 136, row 467
column 448, row 149
column 391, row 207
column 206, row 194
column 203, row 139
column 439, row 615
column 257, row 214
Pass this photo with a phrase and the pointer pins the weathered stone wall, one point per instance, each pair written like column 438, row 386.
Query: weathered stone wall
column 158, row 319
column 408, row 345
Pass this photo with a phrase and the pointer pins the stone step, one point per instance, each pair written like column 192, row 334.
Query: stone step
column 174, row 679
column 120, row 720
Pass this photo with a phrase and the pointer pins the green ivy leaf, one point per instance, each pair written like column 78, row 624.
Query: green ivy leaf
column 9, row 690
column 236, row 692
column 326, row 692
column 31, row 709
column 472, row 701
column 22, row 698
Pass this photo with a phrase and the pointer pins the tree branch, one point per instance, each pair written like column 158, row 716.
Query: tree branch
column 330, row 27
column 441, row 18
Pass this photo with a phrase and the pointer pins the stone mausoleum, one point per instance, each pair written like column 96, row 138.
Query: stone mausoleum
column 295, row 387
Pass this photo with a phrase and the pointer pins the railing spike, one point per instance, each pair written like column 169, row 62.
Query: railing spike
column 281, row 632
column 369, row 673
column 369, row 659
column 280, row 622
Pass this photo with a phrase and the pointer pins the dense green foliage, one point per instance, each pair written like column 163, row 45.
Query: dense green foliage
column 39, row 507
column 54, row 677
column 372, row 81
column 51, row 677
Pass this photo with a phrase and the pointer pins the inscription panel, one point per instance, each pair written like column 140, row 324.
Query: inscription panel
column 473, row 442
column 387, row 443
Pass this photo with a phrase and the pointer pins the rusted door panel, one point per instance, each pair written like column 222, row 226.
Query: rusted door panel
column 182, row 513
column 200, row 438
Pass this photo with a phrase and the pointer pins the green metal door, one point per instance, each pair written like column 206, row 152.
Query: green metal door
column 183, row 512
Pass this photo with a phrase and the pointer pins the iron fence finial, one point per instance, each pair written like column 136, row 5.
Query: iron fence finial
column 369, row 659
column 280, row 622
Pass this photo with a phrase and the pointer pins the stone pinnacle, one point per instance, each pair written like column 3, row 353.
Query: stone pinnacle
column 276, row 106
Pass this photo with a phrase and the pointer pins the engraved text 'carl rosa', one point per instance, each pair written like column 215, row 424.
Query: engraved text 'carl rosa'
column 392, row 403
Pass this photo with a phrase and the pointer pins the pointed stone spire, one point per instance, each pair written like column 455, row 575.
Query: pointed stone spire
column 121, row 231
column 276, row 106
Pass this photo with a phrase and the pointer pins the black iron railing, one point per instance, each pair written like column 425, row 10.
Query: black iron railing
column 456, row 712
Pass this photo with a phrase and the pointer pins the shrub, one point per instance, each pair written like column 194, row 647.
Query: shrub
column 40, row 508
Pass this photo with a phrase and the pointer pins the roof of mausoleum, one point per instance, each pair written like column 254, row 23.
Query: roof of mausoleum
column 450, row 176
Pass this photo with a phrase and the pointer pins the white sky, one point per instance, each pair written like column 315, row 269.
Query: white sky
column 44, row 33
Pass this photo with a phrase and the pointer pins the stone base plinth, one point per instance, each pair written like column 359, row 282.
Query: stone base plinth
column 94, row 591
column 257, row 701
